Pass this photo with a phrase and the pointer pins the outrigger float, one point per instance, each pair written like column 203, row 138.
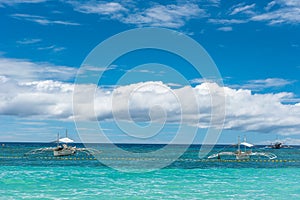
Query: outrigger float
column 241, row 155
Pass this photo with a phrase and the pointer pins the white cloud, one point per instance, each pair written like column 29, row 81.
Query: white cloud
column 287, row 11
column 225, row 28
column 270, row 5
column 42, row 99
column 285, row 141
column 174, row 85
column 273, row 13
column 244, row 111
column 29, row 90
column 42, row 20
column 215, row 2
column 242, row 9
column 23, row 70
column 227, row 21
column 197, row 81
column 261, row 112
column 101, row 8
column 13, row 2
column 53, row 48
column 173, row 16
column 27, row 41
column 288, row 2
column 261, row 84
column 291, row 141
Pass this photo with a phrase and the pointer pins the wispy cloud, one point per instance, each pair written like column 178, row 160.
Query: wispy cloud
column 284, row 15
column 95, row 69
column 42, row 20
column 242, row 9
column 273, row 13
column 270, row 5
column 27, row 41
column 228, row 21
column 214, row 2
column 261, row 84
column 225, row 28
column 280, row 12
column 24, row 70
column 100, row 8
column 14, row 2
column 171, row 15
column 289, row 2
column 53, row 48
column 270, row 82
column 197, row 81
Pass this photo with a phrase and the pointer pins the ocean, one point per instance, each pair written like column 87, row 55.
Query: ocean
column 116, row 176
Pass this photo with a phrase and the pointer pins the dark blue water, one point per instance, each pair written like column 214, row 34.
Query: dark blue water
column 137, row 155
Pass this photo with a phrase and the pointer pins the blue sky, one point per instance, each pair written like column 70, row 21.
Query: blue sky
column 255, row 45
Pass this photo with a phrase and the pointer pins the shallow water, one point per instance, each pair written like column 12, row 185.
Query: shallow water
column 82, row 177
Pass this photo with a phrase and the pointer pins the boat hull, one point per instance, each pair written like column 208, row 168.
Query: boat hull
column 64, row 152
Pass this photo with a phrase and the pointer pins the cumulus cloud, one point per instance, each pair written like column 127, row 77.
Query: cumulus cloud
column 46, row 99
column 151, row 101
column 261, row 112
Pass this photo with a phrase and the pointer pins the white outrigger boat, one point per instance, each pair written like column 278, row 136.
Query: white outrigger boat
column 63, row 149
column 240, row 155
column 278, row 144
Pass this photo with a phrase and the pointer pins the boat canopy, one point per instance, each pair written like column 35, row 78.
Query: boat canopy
column 247, row 144
column 66, row 140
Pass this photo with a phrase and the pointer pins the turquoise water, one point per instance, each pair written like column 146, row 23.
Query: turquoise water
column 104, row 183
column 45, row 178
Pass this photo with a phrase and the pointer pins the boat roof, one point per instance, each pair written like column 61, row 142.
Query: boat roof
column 66, row 140
column 247, row 144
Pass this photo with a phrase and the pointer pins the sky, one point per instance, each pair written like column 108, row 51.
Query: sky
column 255, row 46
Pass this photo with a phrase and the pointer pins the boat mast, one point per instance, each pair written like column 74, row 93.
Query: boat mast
column 57, row 141
column 245, row 141
column 239, row 144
